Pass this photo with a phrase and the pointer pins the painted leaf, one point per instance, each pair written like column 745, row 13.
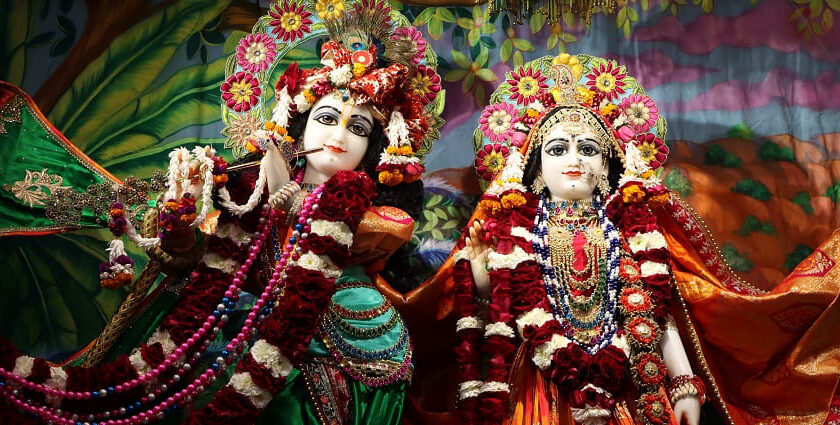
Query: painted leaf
column 189, row 97
column 66, row 307
column 13, row 40
column 132, row 63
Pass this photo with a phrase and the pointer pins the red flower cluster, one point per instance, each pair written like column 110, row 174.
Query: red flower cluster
column 346, row 197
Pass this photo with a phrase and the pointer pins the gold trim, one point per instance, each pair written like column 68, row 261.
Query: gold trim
column 707, row 233
column 698, row 352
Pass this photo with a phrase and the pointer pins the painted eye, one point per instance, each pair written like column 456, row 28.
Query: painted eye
column 557, row 150
column 358, row 130
column 588, row 150
column 326, row 119
column 357, row 46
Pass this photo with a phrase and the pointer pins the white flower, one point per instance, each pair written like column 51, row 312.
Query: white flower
column 337, row 230
column 511, row 176
column 280, row 113
column 470, row 322
column 523, row 233
column 302, row 104
column 637, row 113
column 459, row 255
column 544, row 352
column 469, row 389
column 651, row 268
column 498, row 328
column 495, row 387
column 645, row 241
column 216, row 261
column 341, row 75
column 233, row 232
column 320, row 263
column 621, row 342
column 536, row 317
column 243, row 384
column 23, row 366
column 271, row 358
column 162, row 336
column 136, row 360
column 496, row 261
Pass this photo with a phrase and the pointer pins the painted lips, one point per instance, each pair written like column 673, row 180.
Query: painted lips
column 335, row 149
column 573, row 173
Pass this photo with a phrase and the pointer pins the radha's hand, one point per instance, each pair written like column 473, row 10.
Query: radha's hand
column 687, row 411
column 277, row 170
column 477, row 250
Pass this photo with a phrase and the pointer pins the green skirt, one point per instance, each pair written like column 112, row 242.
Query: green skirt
column 368, row 406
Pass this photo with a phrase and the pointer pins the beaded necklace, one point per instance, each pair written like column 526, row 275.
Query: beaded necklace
column 595, row 330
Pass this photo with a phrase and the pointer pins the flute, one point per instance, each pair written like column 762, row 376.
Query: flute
column 256, row 163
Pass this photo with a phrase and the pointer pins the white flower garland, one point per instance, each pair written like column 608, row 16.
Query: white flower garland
column 320, row 263
column 652, row 268
column 244, row 384
column 534, row 317
column 496, row 261
column 271, row 358
column 544, row 353
column 469, row 389
column 645, row 241
column 498, row 328
column 339, row 231
column 469, row 322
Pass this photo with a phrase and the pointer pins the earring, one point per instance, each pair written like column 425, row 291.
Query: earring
column 538, row 186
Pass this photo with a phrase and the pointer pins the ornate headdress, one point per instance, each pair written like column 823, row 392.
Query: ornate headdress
column 567, row 90
column 373, row 56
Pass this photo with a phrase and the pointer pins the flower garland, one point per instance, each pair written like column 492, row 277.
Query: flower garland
column 132, row 383
column 330, row 216
column 468, row 333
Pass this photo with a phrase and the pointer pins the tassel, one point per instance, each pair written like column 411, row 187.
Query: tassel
column 118, row 271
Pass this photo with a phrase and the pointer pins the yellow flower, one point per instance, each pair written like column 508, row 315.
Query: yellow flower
column 528, row 86
column 309, row 96
column 659, row 200
column 358, row 69
column 513, row 200
column 605, row 82
column 392, row 150
column 489, row 207
column 329, row 9
column 648, row 151
column 390, row 178
column 608, row 109
column 532, row 113
column 570, row 61
column 406, row 150
column 632, row 194
column 585, row 96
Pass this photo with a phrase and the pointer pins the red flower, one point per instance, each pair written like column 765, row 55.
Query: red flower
column 526, row 85
column 570, row 366
column 609, row 369
column 650, row 369
column 643, row 331
column 629, row 270
column 241, row 91
column 291, row 79
column 635, row 301
column 654, row 408
column 325, row 245
column 225, row 247
column 653, row 149
column 608, row 79
column 291, row 20
column 490, row 160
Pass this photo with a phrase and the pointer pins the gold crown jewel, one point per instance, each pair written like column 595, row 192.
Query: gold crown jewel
column 573, row 91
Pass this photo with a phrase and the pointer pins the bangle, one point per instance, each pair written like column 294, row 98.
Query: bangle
column 686, row 386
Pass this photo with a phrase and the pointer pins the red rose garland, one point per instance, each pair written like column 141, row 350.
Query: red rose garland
column 309, row 285
column 468, row 332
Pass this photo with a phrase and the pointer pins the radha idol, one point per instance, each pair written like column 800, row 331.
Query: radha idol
column 319, row 343
column 563, row 287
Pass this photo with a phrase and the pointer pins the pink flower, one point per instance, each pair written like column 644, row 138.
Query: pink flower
column 291, row 21
column 255, row 52
column 414, row 36
column 608, row 78
column 241, row 91
column 490, row 160
column 526, row 85
column 497, row 121
column 653, row 149
column 425, row 84
column 641, row 112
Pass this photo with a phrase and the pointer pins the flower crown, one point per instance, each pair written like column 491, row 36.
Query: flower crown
column 591, row 90
column 373, row 56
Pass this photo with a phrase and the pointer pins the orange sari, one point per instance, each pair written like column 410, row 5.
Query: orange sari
column 769, row 358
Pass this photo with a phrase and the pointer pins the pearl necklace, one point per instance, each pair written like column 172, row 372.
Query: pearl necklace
column 560, row 298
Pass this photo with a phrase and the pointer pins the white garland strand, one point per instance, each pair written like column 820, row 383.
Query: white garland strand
column 253, row 200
